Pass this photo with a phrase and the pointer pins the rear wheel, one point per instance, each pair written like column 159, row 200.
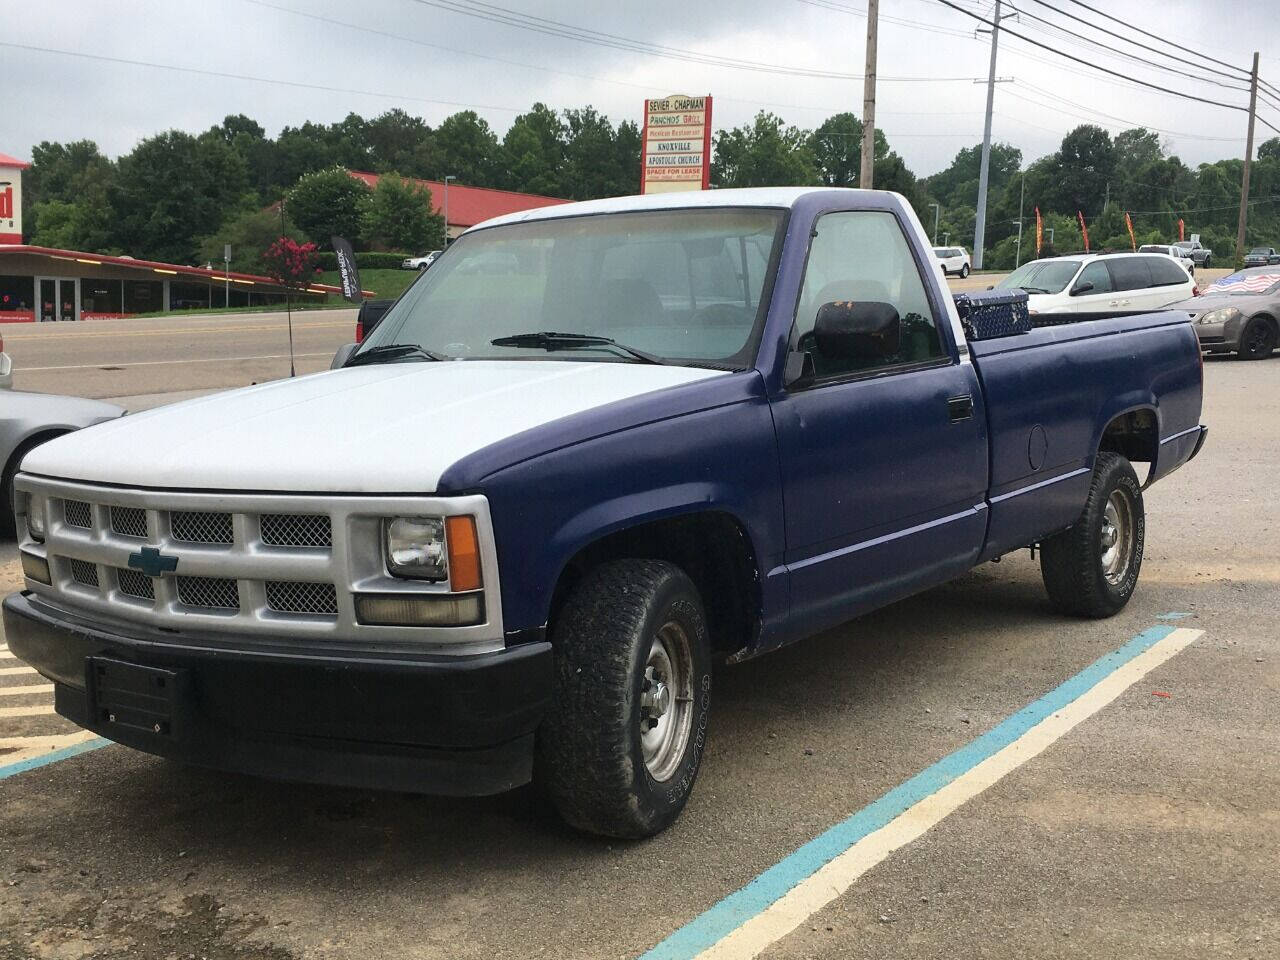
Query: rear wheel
column 621, row 746
column 964, row 271
column 1258, row 340
column 1091, row 568
column 1208, row 262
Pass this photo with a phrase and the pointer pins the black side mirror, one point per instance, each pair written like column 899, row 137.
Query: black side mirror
column 1084, row 286
column 857, row 330
column 344, row 354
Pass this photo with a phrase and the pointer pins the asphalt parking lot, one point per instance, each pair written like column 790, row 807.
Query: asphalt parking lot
column 1150, row 828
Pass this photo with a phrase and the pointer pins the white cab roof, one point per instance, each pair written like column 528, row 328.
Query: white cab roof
column 746, row 197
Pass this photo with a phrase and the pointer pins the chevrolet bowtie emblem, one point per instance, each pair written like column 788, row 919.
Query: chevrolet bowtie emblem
column 152, row 562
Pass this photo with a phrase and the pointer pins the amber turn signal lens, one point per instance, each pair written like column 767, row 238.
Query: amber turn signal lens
column 464, row 553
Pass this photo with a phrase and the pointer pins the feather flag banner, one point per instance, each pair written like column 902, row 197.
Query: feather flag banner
column 1182, row 230
column 1128, row 223
column 1084, row 231
column 1039, row 232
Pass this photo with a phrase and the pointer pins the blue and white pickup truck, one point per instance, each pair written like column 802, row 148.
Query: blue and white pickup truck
column 509, row 534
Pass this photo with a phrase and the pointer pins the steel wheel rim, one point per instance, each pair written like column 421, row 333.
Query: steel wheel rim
column 1116, row 537
column 666, row 701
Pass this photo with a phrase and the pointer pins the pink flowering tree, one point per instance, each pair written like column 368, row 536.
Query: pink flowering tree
column 291, row 264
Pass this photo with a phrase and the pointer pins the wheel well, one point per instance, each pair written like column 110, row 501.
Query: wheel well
column 712, row 548
column 1269, row 319
column 11, row 466
column 1133, row 435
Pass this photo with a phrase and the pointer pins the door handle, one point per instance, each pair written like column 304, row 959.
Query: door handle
column 960, row 409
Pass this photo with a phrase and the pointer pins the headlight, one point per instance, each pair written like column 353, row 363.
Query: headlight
column 416, row 548
column 35, row 517
column 1221, row 315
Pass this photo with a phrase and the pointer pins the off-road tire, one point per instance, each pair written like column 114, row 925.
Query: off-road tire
column 1257, row 340
column 1071, row 562
column 590, row 761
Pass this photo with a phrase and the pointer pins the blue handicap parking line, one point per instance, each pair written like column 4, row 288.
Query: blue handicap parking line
column 53, row 756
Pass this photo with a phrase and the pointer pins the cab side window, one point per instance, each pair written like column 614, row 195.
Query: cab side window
column 1130, row 273
column 1096, row 273
column 864, row 257
column 1165, row 273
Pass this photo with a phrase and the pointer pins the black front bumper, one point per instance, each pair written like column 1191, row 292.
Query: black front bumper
column 448, row 725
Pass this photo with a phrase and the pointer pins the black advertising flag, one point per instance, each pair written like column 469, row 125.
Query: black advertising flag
column 347, row 269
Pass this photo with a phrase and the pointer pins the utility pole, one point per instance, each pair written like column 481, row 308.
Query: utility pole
column 446, row 208
column 869, row 99
column 1248, row 160
column 1022, row 196
column 979, row 232
column 937, row 211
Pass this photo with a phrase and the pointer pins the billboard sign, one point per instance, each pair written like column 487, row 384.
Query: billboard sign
column 676, row 146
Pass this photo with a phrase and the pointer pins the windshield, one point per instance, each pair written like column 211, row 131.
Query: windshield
column 1041, row 276
column 1153, row 248
column 1185, row 245
column 1260, row 250
column 682, row 285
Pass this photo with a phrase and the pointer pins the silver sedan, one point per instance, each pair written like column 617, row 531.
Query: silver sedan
column 1239, row 313
column 28, row 420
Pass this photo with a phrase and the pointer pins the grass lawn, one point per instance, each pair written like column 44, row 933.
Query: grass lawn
column 385, row 284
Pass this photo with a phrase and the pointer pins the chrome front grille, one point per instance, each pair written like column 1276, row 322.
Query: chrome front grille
column 192, row 526
column 230, row 569
column 297, row 530
column 135, row 584
column 216, row 593
column 77, row 513
column 129, row 522
column 319, row 599
column 83, row 573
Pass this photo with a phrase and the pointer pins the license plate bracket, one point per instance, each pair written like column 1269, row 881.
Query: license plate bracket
column 130, row 696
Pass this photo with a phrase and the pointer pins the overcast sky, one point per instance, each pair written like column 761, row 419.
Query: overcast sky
column 423, row 54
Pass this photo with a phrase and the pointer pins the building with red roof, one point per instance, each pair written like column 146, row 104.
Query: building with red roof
column 468, row 206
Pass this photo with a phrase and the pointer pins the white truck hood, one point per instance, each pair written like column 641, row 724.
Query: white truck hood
column 383, row 428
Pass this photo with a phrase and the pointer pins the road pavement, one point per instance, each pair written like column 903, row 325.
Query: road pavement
column 1149, row 829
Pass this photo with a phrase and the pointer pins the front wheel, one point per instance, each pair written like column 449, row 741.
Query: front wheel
column 622, row 743
column 1091, row 568
column 964, row 271
column 1208, row 262
column 1257, row 341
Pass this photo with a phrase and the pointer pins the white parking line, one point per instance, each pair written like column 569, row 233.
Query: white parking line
column 167, row 363
column 22, row 691
column 786, row 895
column 43, row 710
column 16, row 671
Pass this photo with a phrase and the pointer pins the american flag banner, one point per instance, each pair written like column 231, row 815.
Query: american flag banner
column 1245, row 283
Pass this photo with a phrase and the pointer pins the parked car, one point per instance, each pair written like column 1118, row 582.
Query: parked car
column 1239, row 314
column 954, row 260
column 1200, row 254
column 1102, row 283
column 369, row 316
column 419, row 263
column 6, row 368
column 30, row 419
column 523, row 519
column 1261, row 257
column 1169, row 250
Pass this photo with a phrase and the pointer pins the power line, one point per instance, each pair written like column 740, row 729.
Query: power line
column 555, row 28
column 1088, row 113
column 647, row 88
column 1122, row 37
column 885, row 18
column 1153, row 36
column 1080, row 39
column 1093, row 66
column 250, row 78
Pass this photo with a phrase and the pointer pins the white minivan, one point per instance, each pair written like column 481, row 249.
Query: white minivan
column 1102, row 283
column 953, row 260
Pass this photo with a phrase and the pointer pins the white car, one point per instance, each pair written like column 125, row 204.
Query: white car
column 953, row 260
column 1170, row 251
column 6, row 368
column 419, row 263
column 1106, row 283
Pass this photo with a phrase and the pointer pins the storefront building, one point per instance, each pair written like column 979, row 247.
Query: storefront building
column 42, row 283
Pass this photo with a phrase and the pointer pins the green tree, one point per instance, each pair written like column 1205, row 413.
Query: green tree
column 957, row 185
column 836, row 146
column 76, row 176
column 250, row 233
column 1082, row 168
column 328, row 203
column 83, row 224
column 468, row 150
column 766, row 153
column 1269, row 149
column 172, row 189
column 626, row 146
column 1134, row 149
column 534, row 151
column 395, row 139
column 398, row 215
column 592, row 165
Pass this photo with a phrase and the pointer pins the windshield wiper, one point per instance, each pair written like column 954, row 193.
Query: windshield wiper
column 551, row 341
column 394, row 351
